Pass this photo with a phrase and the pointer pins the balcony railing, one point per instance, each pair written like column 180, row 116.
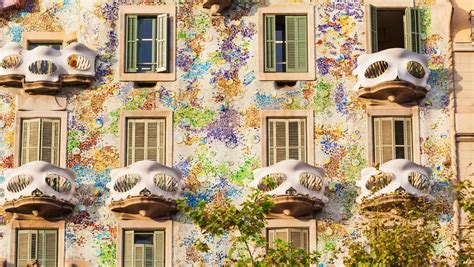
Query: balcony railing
column 44, row 69
column 297, row 188
column 395, row 74
column 39, row 188
column 394, row 182
column 145, row 188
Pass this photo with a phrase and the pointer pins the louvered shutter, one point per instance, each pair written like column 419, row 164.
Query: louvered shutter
column 162, row 43
column 146, row 140
column 50, row 141
column 270, row 47
column 286, row 140
column 41, row 248
column 131, row 43
column 408, row 137
column 139, row 255
column 139, row 142
column 271, row 239
column 412, row 29
column 148, row 256
column 296, row 238
column 280, row 141
column 372, row 20
column 30, row 140
column 392, row 139
column 159, row 242
column 281, row 234
column 23, row 250
column 51, row 248
column 387, row 139
column 128, row 248
column 377, row 145
column 305, row 243
column 296, row 44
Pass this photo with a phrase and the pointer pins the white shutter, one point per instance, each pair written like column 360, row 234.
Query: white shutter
column 162, row 43
column 271, row 238
column 392, row 138
column 286, row 140
column 30, row 140
column 23, row 248
column 51, row 248
column 148, row 256
column 159, row 243
column 146, row 140
column 296, row 238
column 128, row 248
column 139, row 258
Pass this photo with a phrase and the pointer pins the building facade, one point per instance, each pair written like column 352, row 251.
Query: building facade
column 111, row 110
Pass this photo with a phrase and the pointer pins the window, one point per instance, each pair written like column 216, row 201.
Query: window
column 37, row 245
column 40, row 139
column 298, row 237
column 285, row 34
column 147, row 44
column 390, row 28
column 146, row 139
column 286, row 43
column 57, row 46
column 392, row 138
column 144, row 248
column 286, row 139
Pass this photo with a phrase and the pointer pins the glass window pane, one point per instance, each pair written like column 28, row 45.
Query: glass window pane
column 399, row 133
column 144, row 238
column 400, row 152
column 144, row 52
column 145, row 28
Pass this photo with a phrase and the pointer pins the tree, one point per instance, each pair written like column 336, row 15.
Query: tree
column 247, row 222
column 465, row 196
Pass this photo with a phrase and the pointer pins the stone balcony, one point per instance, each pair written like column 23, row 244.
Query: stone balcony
column 395, row 74
column 144, row 189
column 392, row 184
column 44, row 70
column 297, row 188
column 39, row 189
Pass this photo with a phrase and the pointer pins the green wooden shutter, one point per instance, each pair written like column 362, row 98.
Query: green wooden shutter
column 373, row 37
column 162, row 43
column 270, row 47
column 50, row 248
column 159, row 242
column 128, row 248
column 296, row 44
column 131, row 43
column 23, row 248
column 412, row 29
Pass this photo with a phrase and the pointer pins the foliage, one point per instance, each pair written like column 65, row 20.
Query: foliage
column 401, row 237
column 465, row 197
column 248, row 221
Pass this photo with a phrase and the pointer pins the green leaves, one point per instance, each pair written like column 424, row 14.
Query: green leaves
column 247, row 223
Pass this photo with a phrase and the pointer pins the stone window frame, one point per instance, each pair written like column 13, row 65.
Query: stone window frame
column 380, row 4
column 48, row 37
column 394, row 111
column 150, row 114
column 61, row 115
column 146, row 225
column 40, row 224
column 292, row 9
column 310, row 224
column 148, row 10
column 308, row 114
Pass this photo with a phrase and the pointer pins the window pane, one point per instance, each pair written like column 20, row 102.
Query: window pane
column 145, row 28
column 144, row 238
column 400, row 152
column 145, row 54
column 399, row 133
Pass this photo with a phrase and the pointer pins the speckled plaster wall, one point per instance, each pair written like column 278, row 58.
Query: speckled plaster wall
column 215, row 102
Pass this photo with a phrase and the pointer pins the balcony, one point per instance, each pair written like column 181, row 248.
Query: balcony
column 296, row 187
column 395, row 74
column 10, row 4
column 44, row 70
column 217, row 6
column 394, row 183
column 144, row 189
column 39, row 189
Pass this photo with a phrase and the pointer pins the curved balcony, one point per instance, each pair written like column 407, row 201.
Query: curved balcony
column 44, row 70
column 297, row 188
column 39, row 188
column 217, row 6
column 145, row 189
column 395, row 74
column 392, row 184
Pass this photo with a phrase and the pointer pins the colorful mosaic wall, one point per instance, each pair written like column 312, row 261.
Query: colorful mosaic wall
column 215, row 102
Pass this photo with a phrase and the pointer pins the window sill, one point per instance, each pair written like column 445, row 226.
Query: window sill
column 147, row 77
column 286, row 76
